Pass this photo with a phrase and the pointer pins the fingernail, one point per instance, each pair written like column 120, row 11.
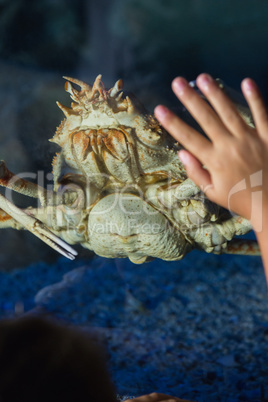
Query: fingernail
column 179, row 84
column 204, row 80
column 183, row 157
column 248, row 84
column 160, row 111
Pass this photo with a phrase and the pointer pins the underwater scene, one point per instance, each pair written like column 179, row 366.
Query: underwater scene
column 119, row 244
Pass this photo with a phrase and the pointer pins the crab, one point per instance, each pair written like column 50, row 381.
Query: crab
column 120, row 189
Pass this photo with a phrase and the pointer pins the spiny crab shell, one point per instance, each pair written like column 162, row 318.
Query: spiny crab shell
column 137, row 199
column 105, row 135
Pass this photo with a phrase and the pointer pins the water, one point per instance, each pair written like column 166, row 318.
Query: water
column 196, row 328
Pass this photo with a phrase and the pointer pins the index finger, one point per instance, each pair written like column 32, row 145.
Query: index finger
column 191, row 139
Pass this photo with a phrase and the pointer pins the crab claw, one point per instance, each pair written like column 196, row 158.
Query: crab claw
column 37, row 227
column 41, row 230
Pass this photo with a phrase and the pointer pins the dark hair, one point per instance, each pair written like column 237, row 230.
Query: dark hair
column 43, row 361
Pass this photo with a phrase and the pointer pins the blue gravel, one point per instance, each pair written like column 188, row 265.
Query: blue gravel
column 196, row 328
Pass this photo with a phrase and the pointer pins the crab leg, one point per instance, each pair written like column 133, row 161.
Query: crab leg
column 46, row 197
column 37, row 227
column 22, row 186
column 243, row 247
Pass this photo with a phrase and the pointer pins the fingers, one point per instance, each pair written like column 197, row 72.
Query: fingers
column 195, row 142
column 195, row 171
column 222, row 104
column 257, row 105
column 199, row 108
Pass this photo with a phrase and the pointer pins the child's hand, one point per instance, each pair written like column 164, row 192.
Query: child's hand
column 155, row 397
column 235, row 155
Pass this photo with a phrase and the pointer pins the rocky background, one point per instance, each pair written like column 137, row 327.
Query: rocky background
column 197, row 328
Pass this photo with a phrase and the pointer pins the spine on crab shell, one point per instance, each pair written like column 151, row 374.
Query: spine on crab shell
column 66, row 110
column 243, row 247
column 86, row 90
column 118, row 86
column 84, row 87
